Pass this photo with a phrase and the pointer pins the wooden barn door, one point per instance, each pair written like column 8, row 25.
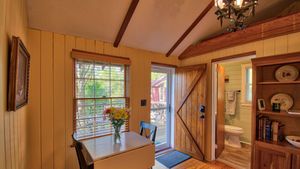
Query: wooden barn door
column 190, row 95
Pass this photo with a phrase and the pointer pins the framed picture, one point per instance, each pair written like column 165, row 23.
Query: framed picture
column 18, row 77
column 261, row 104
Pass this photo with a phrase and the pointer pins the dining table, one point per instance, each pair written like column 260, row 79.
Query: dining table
column 132, row 152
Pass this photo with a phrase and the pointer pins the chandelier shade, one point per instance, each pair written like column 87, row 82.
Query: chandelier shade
column 236, row 11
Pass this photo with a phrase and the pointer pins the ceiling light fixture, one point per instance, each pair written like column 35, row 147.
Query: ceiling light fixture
column 236, row 11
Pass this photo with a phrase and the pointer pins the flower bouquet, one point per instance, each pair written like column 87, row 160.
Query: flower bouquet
column 117, row 116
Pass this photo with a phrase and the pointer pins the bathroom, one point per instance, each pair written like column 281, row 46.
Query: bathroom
column 237, row 113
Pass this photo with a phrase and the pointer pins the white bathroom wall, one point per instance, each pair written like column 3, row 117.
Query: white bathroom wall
column 242, row 117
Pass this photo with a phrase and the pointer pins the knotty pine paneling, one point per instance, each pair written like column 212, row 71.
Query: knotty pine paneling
column 50, row 123
column 282, row 44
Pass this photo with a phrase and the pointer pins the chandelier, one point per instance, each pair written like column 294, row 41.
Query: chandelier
column 236, row 11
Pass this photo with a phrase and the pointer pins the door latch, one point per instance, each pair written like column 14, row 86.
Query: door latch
column 202, row 111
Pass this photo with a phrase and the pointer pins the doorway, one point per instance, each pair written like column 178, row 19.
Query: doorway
column 232, row 107
column 161, row 105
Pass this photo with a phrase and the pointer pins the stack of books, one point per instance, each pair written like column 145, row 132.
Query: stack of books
column 268, row 130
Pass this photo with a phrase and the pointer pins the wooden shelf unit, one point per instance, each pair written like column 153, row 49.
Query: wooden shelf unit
column 265, row 86
column 278, row 83
column 282, row 113
column 278, row 145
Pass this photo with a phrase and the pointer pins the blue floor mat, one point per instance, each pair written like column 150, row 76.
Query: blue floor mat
column 172, row 159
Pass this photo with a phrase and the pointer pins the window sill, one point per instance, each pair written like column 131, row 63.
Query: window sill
column 246, row 104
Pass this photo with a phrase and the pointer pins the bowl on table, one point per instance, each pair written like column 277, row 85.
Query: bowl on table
column 294, row 140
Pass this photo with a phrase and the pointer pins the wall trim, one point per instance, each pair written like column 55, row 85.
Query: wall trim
column 234, row 56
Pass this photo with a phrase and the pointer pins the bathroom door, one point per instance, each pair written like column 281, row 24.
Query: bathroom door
column 220, row 120
column 190, row 95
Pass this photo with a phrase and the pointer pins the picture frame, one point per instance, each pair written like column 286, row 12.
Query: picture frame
column 18, row 75
column 261, row 104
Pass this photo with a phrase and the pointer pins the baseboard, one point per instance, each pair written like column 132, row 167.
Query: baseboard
column 245, row 144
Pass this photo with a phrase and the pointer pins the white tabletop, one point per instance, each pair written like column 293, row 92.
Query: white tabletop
column 104, row 147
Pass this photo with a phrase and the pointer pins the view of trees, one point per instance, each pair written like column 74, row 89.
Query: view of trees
column 159, row 104
column 98, row 86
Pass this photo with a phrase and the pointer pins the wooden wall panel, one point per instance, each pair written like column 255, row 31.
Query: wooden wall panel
column 59, row 101
column 50, row 125
column 281, row 45
column 47, row 99
column 91, row 45
column 99, row 47
column 269, row 47
column 13, row 21
column 34, row 117
column 71, row 160
column 2, row 84
column 10, row 161
column 80, row 43
column 293, row 42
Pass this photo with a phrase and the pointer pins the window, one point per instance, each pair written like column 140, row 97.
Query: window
column 98, row 85
column 246, row 83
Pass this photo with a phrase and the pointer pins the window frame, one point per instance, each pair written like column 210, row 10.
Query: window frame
column 244, row 84
column 90, row 57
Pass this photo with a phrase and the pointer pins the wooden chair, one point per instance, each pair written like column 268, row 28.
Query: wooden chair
column 83, row 162
column 152, row 130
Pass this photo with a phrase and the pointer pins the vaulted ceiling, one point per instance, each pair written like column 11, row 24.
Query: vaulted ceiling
column 155, row 24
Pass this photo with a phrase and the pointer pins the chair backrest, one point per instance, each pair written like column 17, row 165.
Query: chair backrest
column 83, row 163
column 151, row 134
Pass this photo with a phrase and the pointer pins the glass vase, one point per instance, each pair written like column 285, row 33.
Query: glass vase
column 117, row 134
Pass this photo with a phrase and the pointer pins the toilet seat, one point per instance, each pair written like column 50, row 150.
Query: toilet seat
column 233, row 129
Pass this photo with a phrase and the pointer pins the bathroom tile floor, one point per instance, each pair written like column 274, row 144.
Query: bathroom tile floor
column 239, row 158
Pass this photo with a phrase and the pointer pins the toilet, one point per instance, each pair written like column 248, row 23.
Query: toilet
column 232, row 136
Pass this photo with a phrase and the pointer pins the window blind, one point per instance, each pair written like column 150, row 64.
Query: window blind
column 98, row 85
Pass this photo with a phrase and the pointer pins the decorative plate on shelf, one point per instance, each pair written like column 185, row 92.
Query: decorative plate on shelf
column 294, row 112
column 287, row 73
column 285, row 100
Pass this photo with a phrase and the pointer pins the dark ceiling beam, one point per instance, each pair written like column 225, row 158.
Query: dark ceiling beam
column 193, row 25
column 126, row 21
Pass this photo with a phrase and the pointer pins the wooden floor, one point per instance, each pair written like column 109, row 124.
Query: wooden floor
column 239, row 158
column 195, row 164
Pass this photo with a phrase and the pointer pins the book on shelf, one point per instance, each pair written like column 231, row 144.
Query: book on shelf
column 275, row 128
column 268, row 130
